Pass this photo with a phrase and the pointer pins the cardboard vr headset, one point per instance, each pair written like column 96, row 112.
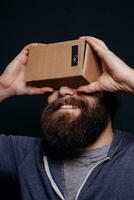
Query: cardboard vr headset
column 71, row 63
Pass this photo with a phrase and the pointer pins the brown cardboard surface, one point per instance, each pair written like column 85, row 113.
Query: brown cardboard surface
column 51, row 65
column 92, row 65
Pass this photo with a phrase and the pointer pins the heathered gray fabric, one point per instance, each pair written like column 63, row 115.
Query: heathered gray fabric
column 75, row 170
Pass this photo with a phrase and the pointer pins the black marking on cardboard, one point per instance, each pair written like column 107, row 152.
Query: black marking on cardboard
column 74, row 56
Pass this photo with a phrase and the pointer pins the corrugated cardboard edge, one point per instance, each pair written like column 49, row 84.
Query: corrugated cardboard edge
column 91, row 65
column 73, row 82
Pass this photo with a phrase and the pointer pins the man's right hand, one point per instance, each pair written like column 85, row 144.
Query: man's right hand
column 12, row 81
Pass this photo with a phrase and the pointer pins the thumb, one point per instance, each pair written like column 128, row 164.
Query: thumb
column 91, row 88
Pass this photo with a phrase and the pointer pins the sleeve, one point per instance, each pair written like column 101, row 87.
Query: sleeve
column 7, row 157
column 13, row 150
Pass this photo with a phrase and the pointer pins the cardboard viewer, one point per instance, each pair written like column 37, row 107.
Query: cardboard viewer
column 71, row 63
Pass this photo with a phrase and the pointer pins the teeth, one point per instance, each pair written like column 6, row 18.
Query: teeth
column 68, row 107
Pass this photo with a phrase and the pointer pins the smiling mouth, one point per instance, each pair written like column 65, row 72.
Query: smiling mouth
column 67, row 106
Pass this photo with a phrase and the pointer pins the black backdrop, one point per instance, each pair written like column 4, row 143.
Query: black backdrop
column 23, row 22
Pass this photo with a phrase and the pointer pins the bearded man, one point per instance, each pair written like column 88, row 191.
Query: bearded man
column 80, row 156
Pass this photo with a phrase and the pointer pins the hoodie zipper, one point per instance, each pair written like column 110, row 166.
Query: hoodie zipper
column 89, row 173
column 56, row 189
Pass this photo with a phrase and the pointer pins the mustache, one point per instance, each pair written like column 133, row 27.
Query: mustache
column 74, row 101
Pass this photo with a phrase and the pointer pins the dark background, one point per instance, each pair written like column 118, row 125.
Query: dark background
column 23, row 22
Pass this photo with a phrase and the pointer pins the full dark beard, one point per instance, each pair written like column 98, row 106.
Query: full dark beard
column 66, row 136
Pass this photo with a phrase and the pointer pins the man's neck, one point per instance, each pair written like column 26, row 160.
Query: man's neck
column 105, row 138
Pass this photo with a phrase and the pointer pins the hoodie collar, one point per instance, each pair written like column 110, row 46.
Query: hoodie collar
column 120, row 139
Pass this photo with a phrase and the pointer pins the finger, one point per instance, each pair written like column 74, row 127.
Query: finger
column 107, row 57
column 43, row 89
column 34, row 90
column 101, row 51
column 27, row 47
column 22, row 56
column 97, row 41
column 52, row 97
column 91, row 88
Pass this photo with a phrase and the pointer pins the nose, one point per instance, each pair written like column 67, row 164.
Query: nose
column 63, row 91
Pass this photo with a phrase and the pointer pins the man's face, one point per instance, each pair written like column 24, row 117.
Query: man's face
column 72, row 121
